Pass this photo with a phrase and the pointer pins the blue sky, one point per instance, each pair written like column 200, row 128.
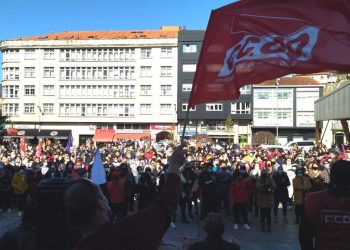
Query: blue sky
column 21, row 18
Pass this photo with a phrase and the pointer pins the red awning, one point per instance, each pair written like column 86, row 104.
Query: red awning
column 132, row 136
column 104, row 135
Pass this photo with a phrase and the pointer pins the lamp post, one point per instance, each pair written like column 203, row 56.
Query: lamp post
column 277, row 84
column 40, row 113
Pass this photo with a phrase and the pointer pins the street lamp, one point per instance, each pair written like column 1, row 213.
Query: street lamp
column 40, row 113
column 277, row 84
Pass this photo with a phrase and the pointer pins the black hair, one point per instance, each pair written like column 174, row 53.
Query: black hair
column 81, row 201
column 340, row 173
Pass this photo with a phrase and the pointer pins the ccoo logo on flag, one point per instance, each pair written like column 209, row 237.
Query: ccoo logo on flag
column 283, row 50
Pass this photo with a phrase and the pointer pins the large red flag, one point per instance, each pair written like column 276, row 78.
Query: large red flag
column 251, row 41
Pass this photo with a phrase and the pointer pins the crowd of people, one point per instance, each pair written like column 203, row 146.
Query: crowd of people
column 216, row 177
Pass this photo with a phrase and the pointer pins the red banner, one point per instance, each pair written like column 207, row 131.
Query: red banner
column 23, row 145
column 251, row 41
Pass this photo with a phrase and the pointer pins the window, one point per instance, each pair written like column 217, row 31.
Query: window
column 166, row 52
column 29, row 72
column 246, row 90
column 10, row 91
column 165, row 71
column 145, row 109
column 165, row 109
column 49, row 54
column 94, row 110
column 146, row 52
column 146, row 71
column 29, row 90
column 11, row 73
column 185, row 107
column 240, row 108
column 29, row 108
column 97, row 73
column 48, row 90
column 263, row 115
column 186, row 87
column 214, row 107
column 48, row 71
column 165, row 89
column 10, row 109
column 283, row 95
column 29, row 54
column 264, row 95
column 189, row 67
column 10, row 55
column 48, row 108
column 145, row 90
column 189, row 48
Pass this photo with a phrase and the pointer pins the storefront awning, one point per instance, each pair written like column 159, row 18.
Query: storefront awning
column 56, row 134
column 104, row 135
column 132, row 136
column 17, row 133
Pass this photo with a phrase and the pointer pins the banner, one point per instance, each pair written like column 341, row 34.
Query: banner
column 252, row 41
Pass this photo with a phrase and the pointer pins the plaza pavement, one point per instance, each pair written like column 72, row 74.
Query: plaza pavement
column 283, row 236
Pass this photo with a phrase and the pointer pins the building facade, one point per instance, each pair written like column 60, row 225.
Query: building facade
column 209, row 118
column 82, row 81
column 286, row 110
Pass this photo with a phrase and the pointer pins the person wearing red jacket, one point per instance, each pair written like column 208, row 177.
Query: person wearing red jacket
column 240, row 189
column 326, row 220
column 115, row 190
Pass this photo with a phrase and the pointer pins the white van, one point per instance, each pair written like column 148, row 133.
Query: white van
column 306, row 145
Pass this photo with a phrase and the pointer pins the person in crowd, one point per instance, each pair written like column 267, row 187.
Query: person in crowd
column 214, row 226
column 5, row 189
column 115, row 190
column 33, row 177
column 266, row 187
column 301, row 185
column 254, row 175
column 240, row 190
column 20, row 187
column 281, row 193
column 207, row 181
column 224, row 179
column 188, row 177
column 316, row 178
column 325, row 224
column 87, row 205
column 146, row 191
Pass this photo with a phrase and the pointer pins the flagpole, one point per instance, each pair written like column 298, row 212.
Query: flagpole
column 185, row 125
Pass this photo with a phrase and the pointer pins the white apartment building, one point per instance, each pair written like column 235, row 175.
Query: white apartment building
column 287, row 110
column 125, row 81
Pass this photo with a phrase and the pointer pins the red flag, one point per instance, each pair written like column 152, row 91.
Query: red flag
column 23, row 146
column 344, row 151
column 251, row 41
column 38, row 150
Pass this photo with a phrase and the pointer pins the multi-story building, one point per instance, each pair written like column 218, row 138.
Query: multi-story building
column 209, row 118
column 78, row 82
column 286, row 110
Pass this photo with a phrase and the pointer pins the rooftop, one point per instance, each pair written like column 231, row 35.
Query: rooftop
column 164, row 32
column 294, row 80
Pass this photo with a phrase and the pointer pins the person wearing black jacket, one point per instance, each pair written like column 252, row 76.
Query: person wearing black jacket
column 281, row 194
